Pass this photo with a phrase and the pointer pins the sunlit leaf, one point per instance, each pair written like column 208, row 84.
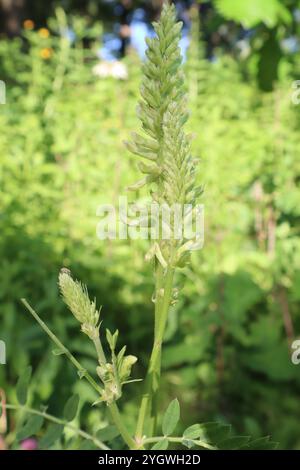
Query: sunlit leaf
column 252, row 12
column 193, row 432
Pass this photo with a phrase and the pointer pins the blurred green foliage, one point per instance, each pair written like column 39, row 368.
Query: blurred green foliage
column 252, row 12
column 227, row 355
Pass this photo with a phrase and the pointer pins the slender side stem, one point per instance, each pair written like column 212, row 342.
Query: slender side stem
column 56, row 420
column 154, row 369
column 114, row 411
column 205, row 445
column 64, row 350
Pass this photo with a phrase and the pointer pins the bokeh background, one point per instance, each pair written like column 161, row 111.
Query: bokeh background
column 72, row 75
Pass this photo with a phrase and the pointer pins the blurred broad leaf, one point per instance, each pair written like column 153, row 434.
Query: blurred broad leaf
column 233, row 443
column 108, row 433
column 214, row 432
column 252, row 12
column 52, row 435
column 270, row 55
column 262, row 443
column 87, row 445
column 31, row 427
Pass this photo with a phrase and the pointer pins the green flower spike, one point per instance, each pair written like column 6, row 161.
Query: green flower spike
column 165, row 147
column 76, row 297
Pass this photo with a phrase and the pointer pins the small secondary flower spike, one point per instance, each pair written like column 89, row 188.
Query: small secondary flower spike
column 75, row 295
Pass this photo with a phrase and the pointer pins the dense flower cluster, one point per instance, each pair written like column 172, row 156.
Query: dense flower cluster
column 166, row 149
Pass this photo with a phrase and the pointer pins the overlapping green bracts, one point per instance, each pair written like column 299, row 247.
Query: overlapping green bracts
column 163, row 112
column 76, row 296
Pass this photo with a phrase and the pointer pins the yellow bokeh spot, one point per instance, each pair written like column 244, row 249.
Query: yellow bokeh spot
column 46, row 53
column 44, row 33
column 28, row 24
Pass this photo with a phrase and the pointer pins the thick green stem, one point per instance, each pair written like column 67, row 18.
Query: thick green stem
column 99, row 350
column 159, row 274
column 56, row 420
column 114, row 411
column 154, row 369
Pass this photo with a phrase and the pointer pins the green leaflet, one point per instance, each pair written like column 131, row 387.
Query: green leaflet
column 161, row 445
column 31, row 427
column 108, row 433
column 171, row 418
column 22, row 385
column 193, row 432
column 71, row 407
column 53, row 434
column 234, row 443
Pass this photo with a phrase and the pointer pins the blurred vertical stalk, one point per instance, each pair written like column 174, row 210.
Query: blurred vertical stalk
column 149, row 400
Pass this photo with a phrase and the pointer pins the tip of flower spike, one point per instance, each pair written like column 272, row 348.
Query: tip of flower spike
column 75, row 296
column 65, row 271
column 63, row 277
